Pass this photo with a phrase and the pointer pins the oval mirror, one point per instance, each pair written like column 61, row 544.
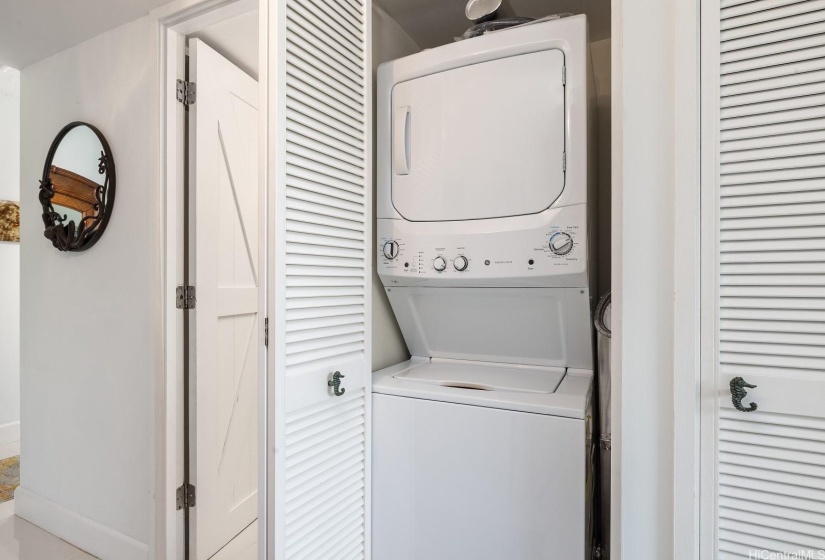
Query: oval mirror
column 77, row 190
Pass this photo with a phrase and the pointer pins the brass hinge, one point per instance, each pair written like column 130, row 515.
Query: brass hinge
column 185, row 297
column 266, row 331
column 186, row 92
column 186, row 496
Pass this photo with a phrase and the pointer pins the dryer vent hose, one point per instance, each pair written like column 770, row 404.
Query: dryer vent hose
column 601, row 311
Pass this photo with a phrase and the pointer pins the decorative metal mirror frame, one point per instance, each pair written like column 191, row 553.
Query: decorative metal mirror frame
column 70, row 236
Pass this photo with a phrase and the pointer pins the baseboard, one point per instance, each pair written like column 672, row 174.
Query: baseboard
column 9, row 440
column 83, row 533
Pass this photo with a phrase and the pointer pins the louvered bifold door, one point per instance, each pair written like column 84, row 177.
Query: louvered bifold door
column 770, row 250
column 319, row 327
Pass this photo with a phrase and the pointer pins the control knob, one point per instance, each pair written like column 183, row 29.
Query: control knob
column 561, row 243
column 460, row 263
column 391, row 249
column 439, row 264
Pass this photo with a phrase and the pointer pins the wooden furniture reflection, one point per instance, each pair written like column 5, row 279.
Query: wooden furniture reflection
column 73, row 191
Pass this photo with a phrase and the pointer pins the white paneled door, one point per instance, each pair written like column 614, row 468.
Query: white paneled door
column 764, row 279
column 224, row 239
column 319, row 294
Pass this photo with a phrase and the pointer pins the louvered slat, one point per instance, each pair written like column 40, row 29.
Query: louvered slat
column 771, row 260
column 772, row 62
column 771, row 485
column 325, row 472
column 753, row 6
column 323, row 212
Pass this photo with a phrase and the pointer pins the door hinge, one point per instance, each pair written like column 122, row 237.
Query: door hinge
column 186, row 496
column 564, row 75
column 185, row 297
column 564, row 161
column 266, row 331
column 186, row 92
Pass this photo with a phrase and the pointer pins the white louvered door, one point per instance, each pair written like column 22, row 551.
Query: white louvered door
column 764, row 129
column 321, row 208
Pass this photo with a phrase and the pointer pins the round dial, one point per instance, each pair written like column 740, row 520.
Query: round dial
column 561, row 243
column 391, row 249
column 460, row 263
column 439, row 264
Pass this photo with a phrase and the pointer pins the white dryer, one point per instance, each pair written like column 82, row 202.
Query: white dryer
column 482, row 441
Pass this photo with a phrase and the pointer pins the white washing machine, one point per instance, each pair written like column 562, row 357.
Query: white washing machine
column 482, row 441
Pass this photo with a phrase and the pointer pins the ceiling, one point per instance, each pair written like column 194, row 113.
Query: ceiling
column 431, row 23
column 31, row 30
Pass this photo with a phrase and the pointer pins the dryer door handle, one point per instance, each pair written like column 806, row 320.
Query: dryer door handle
column 401, row 141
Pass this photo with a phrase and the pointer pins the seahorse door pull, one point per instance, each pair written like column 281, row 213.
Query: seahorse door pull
column 335, row 383
column 737, row 392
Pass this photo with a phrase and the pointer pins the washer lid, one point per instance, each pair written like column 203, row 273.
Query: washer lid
column 512, row 379
column 539, row 390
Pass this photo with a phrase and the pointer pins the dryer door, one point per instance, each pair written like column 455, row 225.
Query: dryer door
column 480, row 141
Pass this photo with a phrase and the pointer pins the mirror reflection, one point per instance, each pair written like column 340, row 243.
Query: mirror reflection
column 77, row 190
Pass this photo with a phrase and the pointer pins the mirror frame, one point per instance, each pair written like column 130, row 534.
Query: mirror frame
column 70, row 236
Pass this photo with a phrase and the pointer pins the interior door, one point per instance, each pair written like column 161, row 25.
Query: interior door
column 764, row 107
column 320, row 189
column 224, row 238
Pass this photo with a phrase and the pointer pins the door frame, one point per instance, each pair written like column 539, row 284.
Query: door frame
column 707, row 533
column 689, row 385
column 630, row 491
column 174, row 22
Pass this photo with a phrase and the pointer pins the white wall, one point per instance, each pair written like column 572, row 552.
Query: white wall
column 90, row 336
column 642, row 278
column 9, row 266
column 389, row 42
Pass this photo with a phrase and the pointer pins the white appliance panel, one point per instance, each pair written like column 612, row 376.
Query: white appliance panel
column 514, row 387
column 536, row 326
column 467, row 482
column 484, row 377
column 501, row 252
column 481, row 141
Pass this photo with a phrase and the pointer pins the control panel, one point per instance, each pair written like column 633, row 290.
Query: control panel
column 552, row 253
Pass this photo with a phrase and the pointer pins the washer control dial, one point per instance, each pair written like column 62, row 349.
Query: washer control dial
column 561, row 243
column 439, row 264
column 391, row 249
column 460, row 263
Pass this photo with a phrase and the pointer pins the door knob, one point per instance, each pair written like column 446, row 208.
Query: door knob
column 335, row 383
column 737, row 392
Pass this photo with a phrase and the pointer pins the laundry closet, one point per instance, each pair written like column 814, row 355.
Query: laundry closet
column 490, row 219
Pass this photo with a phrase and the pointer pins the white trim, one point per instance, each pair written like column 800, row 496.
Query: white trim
column 708, row 521
column 175, row 21
column 83, row 533
column 9, row 440
column 275, row 88
column 686, row 283
column 368, row 276
column 264, row 497
column 616, row 187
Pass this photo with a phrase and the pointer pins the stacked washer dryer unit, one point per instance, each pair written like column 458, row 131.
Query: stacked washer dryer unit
column 482, row 441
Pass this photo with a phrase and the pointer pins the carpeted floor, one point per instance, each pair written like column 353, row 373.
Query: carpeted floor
column 9, row 477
